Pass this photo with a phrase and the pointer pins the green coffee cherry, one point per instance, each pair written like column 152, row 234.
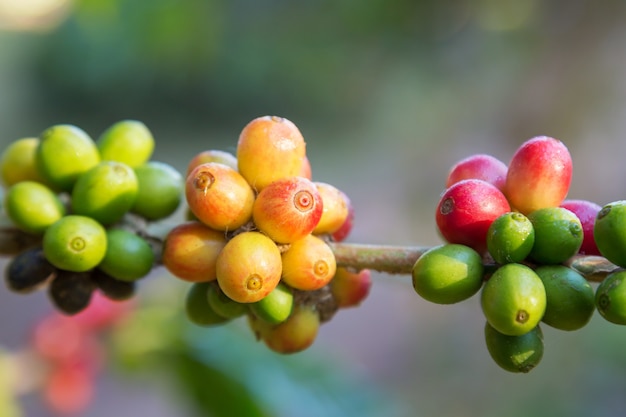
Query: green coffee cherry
column 510, row 238
column 222, row 305
column 128, row 257
column 570, row 301
column 448, row 274
column 515, row 353
column 160, row 190
column 609, row 232
column 17, row 162
column 127, row 141
column 276, row 307
column 197, row 306
column 558, row 235
column 514, row 299
column 611, row 297
column 33, row 207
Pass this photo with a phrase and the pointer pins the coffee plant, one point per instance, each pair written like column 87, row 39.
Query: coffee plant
column 263, row 241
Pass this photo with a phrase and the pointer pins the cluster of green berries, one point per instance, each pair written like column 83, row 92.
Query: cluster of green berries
column 256, row 240
column 510, row 233
column 74, row 195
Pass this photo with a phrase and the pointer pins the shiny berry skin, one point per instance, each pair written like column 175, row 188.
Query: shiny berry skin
column 481, row 167
column 222, row 304
column 17, row 162
column 308, row 264
column 128, row 257
column 288, row 209
column 197, row 307
column 293, row 335
column 344, row 230
column 212, row 155
column 515, row 353
column 586, row 211
column 32, row 206
column 467, row 209
column 350, row 288
column 335, row 208
column 190, row 251
column 126, row 141
column 276, row 306
column 28, row 271
column 609, row 232
column 558, row 235
column 219, row 196
column 539, row 175
column 270, row 148
column 160, row 190
column 249, row 267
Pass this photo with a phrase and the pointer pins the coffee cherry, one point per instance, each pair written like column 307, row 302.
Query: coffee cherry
column 558, row 235
column 75, row 243
column 481, row 167
column 128, row 257
column 515, row 353
column 29, row 270
column 71, row 292
column 219, row 196
column 270, row 148
column 539, row 174
column 17, row 162
column 610, row 232
column 293, row 335
column 32, row 206
column 586, row 211
column 160, row 190
column 127, row 141
column 276, row 307
column 190, row 251
column 197, row 306
column 513, row 299
column 212, row 155
column 249, row 267
column 350, row 288
column 106, row 192
column 467, row 209
column 288, row 209
column 306, row 171
column 610, row 297
column 569, row 297
column 510, row 238
column 448, row 274
column 222, row 305
column 64, row 153
column 335, row 209
column 342, row 233
column 309, row 264
column 112, row 288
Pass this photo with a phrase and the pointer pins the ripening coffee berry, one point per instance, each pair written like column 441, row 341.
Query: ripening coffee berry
column 106, row 192
column 586, row 211
column 342, row 233
column 510, row 238
column 126, row 141
column 276, row 306
column 63, row 154
column 481, row 167
column 513, row 299
column 558, row 235
column 32, row 206
column 75, row 243
column 610, row 232
column 610, row 297
column 306, row 170
column 197, row 306
column 128, row 257
column 212, row 155
column 467, row 209
column 160, row 190
column 570, row 299
column 222, row 304
column 350, row 288
column 17, row 162
column 270, row 148
column 112, row 288
column 448, row 274
column 515, row 353
column 190, row 251
column 249, row 267
column 309, row 264
column 28, row 271
column 219, row 196
column 335, row 208
column 288, row 209
column 293, row 335
column 71, row 292
column 539, row 174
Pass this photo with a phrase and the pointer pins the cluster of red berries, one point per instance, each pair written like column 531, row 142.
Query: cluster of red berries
column 510, row 231
column 256, row 244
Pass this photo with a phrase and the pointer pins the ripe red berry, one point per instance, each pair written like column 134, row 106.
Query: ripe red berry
column 467, row 209
column 539, row 174
column 288, row 209
column 586, row 211
column 350, row 288
column 481, row 167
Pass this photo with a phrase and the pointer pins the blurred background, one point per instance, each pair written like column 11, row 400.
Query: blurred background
column 388, row 95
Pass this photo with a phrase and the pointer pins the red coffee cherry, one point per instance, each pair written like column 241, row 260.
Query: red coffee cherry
column 480, row 167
